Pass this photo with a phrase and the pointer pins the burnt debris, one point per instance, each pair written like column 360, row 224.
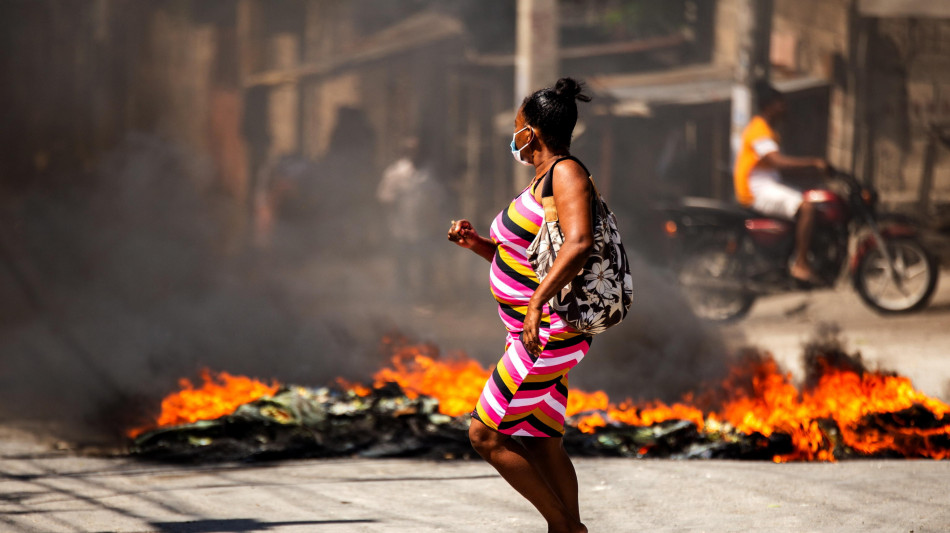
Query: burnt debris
column 842, row 410
column 299, row 422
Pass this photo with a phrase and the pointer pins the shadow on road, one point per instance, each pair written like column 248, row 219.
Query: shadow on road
column 935, row 309
column 235, row 525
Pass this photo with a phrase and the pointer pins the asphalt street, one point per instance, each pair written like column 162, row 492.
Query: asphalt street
column 49, row 491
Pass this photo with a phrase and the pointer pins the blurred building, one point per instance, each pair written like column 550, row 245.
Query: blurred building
column 244, row 83
column 887, row 63
column 867, row 83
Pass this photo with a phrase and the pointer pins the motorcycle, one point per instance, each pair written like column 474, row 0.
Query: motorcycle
column 728, row 256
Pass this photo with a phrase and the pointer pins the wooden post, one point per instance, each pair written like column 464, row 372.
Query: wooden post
column 754, row 28
column 536, row 58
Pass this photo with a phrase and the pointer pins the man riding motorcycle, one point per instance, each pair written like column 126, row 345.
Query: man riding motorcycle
column 760, row 184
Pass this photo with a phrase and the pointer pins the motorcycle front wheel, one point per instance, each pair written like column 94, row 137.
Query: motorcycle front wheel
column 908, row 286
column 710, row 280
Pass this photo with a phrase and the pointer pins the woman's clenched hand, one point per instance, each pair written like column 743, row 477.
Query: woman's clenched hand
column 463, row 233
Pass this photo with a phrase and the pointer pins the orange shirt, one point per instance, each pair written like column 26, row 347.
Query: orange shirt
column 758, row 140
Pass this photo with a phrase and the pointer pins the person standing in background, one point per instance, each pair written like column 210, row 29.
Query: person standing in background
column 409, row 194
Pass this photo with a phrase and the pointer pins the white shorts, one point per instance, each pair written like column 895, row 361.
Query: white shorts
column 775, row 199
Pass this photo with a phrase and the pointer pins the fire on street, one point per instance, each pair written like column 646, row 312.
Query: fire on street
column 419, row 407
column 53, row 491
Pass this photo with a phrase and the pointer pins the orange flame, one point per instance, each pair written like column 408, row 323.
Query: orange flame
column 219, row 395
column 866, row 407
column 770, row 403
column 579, row 401
column 848, row 398
column 354, row 387
column 456, row 382
column 653, row 413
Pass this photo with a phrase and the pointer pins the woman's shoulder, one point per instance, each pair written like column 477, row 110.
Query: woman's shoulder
column 570, row 171
column 567, row 173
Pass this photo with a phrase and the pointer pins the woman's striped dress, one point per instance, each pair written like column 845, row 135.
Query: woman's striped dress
column 526, row 395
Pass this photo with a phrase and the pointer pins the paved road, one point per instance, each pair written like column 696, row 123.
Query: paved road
column 916, row 345
column 49, row 491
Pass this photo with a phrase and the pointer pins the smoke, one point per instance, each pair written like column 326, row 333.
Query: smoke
column 119, row 284
column 827, row 349
column 117, row 280
column 660, row 351
column 138, row 276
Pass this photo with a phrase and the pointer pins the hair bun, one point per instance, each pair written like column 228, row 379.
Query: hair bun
column 571, row 89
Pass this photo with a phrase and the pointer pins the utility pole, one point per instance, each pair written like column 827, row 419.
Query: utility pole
column 754, row 32
column 536, row 56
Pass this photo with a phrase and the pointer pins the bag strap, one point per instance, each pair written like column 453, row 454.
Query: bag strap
column 547, row 190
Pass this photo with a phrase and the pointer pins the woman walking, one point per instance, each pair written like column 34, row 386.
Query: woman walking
column 526, row 395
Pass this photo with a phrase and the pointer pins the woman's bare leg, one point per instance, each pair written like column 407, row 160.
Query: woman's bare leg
column 550, row 459
column 512, row 461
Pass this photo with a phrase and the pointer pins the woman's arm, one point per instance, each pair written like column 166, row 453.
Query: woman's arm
column 572, row 192
column 463, row 234
column 485, row 248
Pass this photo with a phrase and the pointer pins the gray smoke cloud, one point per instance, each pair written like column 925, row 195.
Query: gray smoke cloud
column 660, row 351
column 116, row 287
column 119, row 287
column 117, row 281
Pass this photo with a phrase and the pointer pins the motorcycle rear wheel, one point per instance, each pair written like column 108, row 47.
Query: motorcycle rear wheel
column 915, row 269
column 711, row 281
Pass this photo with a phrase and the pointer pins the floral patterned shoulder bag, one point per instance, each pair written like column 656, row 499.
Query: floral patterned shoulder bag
column 599, row 296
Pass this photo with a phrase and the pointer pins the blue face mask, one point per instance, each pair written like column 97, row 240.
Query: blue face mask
column 515, row 151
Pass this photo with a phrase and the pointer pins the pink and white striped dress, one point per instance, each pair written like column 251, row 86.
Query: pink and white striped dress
column 526, row 395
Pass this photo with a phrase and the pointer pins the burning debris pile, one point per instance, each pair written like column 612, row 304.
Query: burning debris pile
column 419, row 407
column 303, row 422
